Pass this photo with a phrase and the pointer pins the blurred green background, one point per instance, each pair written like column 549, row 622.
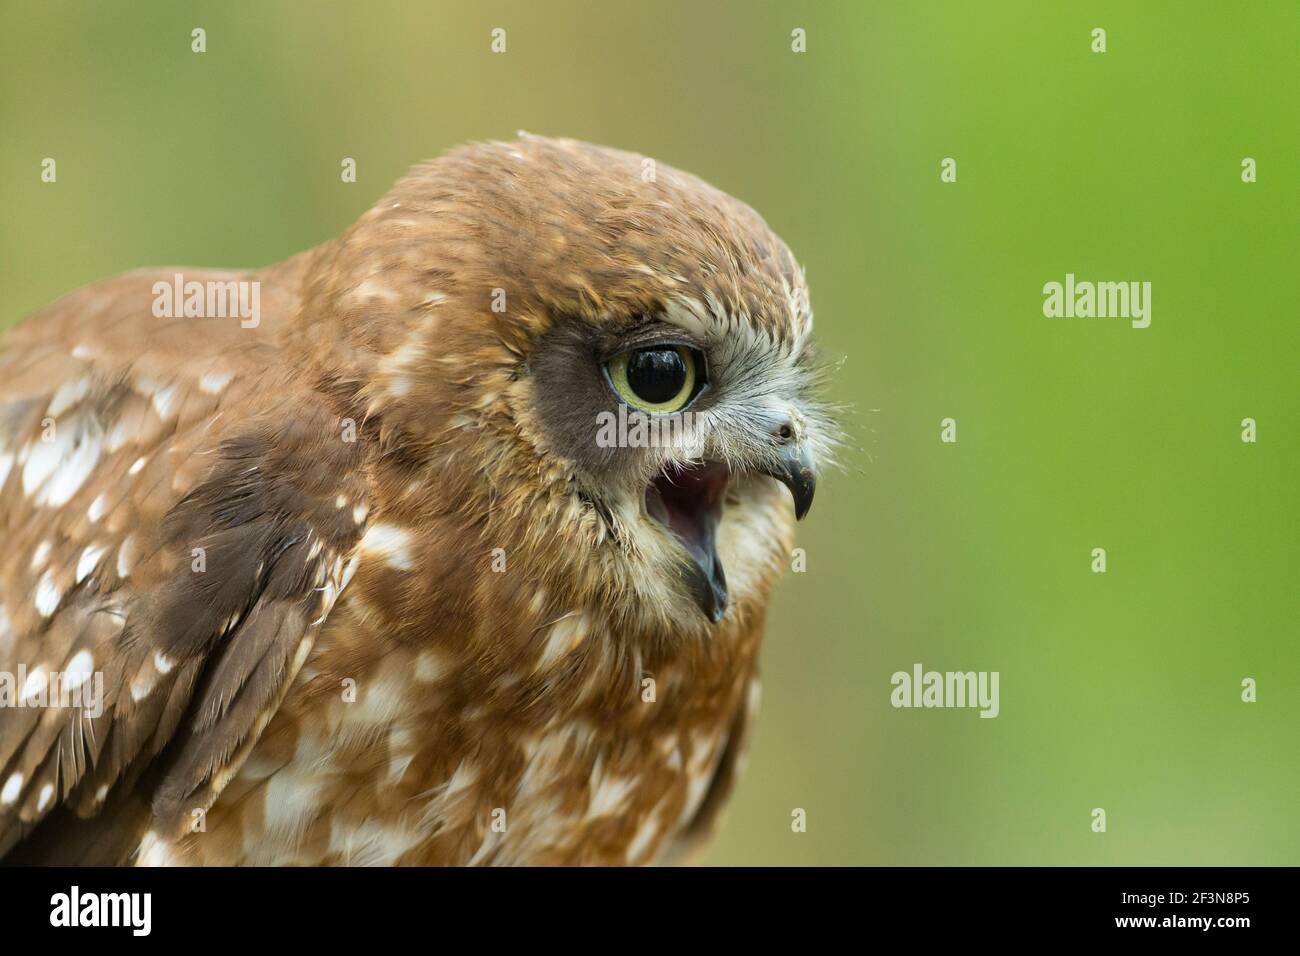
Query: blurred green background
column 1119, row 691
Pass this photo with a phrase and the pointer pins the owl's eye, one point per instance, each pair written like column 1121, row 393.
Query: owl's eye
column 660, row 378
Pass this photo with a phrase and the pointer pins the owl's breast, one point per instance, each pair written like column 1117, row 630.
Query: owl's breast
column 392, row 751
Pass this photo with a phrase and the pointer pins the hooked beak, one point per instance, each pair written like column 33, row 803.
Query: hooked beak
column 688, row 502
column 798, row 472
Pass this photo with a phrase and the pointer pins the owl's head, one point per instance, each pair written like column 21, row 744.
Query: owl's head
column 591, row 366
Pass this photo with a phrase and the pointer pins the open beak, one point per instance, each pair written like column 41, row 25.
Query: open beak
column 688, row 502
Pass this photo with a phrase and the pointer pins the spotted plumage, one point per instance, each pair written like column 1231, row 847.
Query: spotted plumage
column 358, row 581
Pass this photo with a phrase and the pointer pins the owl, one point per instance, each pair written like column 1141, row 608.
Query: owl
column 448, row 541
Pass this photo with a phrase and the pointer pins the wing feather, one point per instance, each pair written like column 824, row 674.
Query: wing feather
column 171, row 541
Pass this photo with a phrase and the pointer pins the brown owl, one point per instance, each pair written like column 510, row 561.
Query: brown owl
column 447, row 542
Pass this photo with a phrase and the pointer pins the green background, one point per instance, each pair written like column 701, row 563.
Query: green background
column 1118, row 690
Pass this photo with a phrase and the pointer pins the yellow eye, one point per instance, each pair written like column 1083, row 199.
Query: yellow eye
column 660, row 378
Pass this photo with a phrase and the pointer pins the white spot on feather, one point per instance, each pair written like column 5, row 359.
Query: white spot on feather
column 125, row 556
column 646, row 832
column 466, row 776
column 400, row 752
column 154, row 852
column 608, row 794
column 68, row 394
column 370, row 844
column 369, row 290
column 72, row 471
column 429, row 666
column 291, row 801
column 118, row 435
column 43, row 801
column 78, row 670
column 163, row 399
column 142, row 686
column 214, row 383
column 389, row 542
column 48, row 595
column 42, row 458
column 348, row 570
column 88, row 561
column 566, row 634
column 13, row 786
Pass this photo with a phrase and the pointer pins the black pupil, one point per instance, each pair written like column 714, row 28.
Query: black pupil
column 656, row 375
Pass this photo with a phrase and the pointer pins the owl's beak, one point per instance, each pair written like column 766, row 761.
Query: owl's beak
column 798, row 472
column 688, row 502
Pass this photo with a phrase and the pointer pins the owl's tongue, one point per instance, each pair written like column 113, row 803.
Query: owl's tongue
column 688, row 502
